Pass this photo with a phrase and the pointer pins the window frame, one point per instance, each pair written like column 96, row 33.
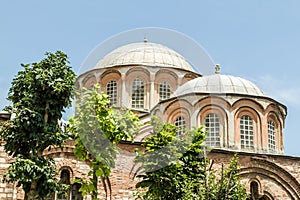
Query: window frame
column 217, row 126
column 164, row 90
column 271, row 136
column 112, row 92
column 246, row 142
column 139, row 101
column 223, row 118
column 181, row 124
column 69, row 192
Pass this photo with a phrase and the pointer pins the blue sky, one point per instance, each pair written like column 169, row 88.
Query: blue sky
column 257, row 40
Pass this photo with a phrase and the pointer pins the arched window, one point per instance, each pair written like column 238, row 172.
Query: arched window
column 137, row 98
column 73, row 192
column 246, row 132
column 212, row 123
column 181, row 124
column 64, row 179
column 254, row 189
column 164, row 91
column 112, row 91
column 271, row 136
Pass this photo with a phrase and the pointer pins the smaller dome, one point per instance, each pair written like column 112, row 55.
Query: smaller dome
column 144, row 53
column 219, row 84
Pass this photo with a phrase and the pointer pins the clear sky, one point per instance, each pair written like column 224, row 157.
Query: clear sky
column 255, row 39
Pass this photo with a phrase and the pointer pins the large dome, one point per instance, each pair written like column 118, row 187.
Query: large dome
column 219, row 84
column 144, row 53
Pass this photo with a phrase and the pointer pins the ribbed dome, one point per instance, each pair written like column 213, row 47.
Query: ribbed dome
column 219, row 84
column 144, row 53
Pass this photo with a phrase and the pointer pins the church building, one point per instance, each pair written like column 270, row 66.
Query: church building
column 153, row 80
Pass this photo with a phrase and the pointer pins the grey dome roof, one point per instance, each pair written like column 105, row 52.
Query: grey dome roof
column 219, row 84
column 144, row 53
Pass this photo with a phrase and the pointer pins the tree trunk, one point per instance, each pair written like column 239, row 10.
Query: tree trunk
column 31, row 195
column 46, row 113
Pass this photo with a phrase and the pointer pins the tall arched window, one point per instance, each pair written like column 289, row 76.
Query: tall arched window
column 112, row 91
column 138, row 90
column 271, row 136
column 164, row 91
column 246, row 132
column 181, row 124
column 73, row 192
column 212, row 123
column 64, row 179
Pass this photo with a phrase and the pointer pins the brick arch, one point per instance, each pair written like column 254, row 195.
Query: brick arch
column 273, row 108
column 273, row 116
column 249, row 102
column 257, row 181
column 89, row 80
column 111, row 75
column 216, row 100
column 189, row 76
column 175, row 104
column 211, row 108
column 277, row 108
column 109, row 72
column 68, row 164
column 166, row 71
column 69, row 169
column 269, row 170
column 144, row 132
column 274, row 112
column 139, row 70
column 223, row 117
column 267, row 196
column 257, row 125
column 168, row 76
column 157, row 112
column 262, row 193
column 180, row 112
column 144, row 75
column 278, row 130
column 247, row 110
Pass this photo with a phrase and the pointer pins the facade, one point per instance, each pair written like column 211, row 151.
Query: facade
column 154, row 80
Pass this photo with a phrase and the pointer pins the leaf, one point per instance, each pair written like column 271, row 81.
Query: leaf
column 99, row 173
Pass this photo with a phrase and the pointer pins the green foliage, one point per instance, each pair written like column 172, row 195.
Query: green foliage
column 169, row 162
column 97, row 129
column 175, row 167
column 229, row 186
column 39, row 94
column 38, row 170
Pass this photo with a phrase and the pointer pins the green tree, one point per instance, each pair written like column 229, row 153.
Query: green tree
column 39, row 94
column 228, row 186
column 97, row 129
column 174, row 167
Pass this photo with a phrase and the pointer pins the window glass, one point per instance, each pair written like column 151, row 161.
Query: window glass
column 137, row 98
column 246, row 132
column 212, row 124
column 111, row 91
column 271, row 136
column 164, row 91
column 181, row 124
